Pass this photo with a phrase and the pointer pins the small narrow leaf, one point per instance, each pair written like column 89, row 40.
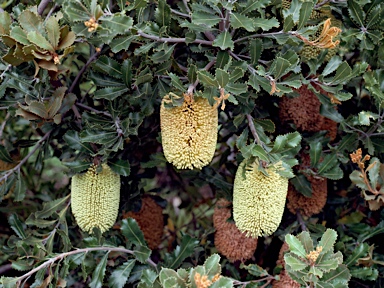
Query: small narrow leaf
column 17, row 226
column 255, row 49
column 328, row 240
column 131, row 230
column 51, row 207
column 222, row 77
column 224, row 41
column 182, row 251
column 99, row 273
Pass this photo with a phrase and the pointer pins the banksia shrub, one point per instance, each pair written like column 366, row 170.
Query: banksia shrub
column 258, row 200
column 150, row 220
column 229, row 241
column 95, row 198
column 189, row 132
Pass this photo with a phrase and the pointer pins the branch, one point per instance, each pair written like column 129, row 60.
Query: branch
column 186, row 6
column 2, row 127
column 17, row 167
column 43, row 4
column 301, row 221
column 180, row 13
column 78, row 251
column 171, row 39
column 93, row 110
column 253, row 129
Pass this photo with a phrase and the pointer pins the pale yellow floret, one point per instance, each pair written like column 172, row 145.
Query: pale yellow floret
column 258, row 200
column 95, row 198
column 189, row 133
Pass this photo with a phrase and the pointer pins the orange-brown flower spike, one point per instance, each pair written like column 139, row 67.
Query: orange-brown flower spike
column 150, row 220
column 95, row 198
column 229, row 241
column 189, row 132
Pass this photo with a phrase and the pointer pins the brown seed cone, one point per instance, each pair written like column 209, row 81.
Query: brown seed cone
column 150, row 220
column 285, row 281
column 229, row 241
column 331, row 127
column 280, row 260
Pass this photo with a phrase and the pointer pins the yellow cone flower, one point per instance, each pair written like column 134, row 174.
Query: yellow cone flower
column 189, row 133
column 258, row 200
column 95, row 198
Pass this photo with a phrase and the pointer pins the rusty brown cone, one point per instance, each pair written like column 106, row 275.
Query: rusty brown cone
column 285, row 281
column 229, row 241
column 150, row 220
column 304, row 112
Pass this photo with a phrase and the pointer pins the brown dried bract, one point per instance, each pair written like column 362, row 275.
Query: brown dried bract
column 150, row 220
column 229, row 241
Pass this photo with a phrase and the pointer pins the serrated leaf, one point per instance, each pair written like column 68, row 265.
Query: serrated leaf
column 328, row 240
column 302, row 185
column 255, row 49
column 164, row 54
column 212, row 265
column 339, row 275
column 51, row 207
column 238, row 20
column 236, row 89
column 295, row 246
column 265, row 24
column 294, row 263
column 41, row 223
column 362, row 237
column 126, row 70
column 205, row 18
column 40, row 41
column 327, row 265
column 207, row 79
column 360, row 251
column 305, row 13
column 279, row 67
column 4, row 155
column 166, row 275
column 56, row 101
column 73, row 141
column 236, row 74
column 365, row 273
column 176, row 82
column 336, row 173
column 118, row 23
column 224, row 41
column 315, row 149
column 332, row 65
column 223, row 282
column 182, row 251
column 5, row 23
column 121, row 43
column 132, row 232
column 374, row 16
column 163, row 13
column 121, row 167
column 110, row 93
column 142, row 253
column 357, row 14
column 343, row 73
column 99, row 273
column 222, row 59
column 17, row 226
column 19, row 35
column 109, row 66
column 329, row 162
column 254, row 270
column 29, row 21
column 53, row 31
column 305, row 239
column 222, row 77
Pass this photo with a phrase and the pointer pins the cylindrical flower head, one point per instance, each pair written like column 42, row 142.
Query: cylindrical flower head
column 150, row 220
column 229, row 241
column 258, row 200
column 95, row 198
column 189, row 133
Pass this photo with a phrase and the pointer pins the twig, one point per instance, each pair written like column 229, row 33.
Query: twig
column 43, row 4
column 17, row 167
column 78, row 251
column 301, row 220
column 180, row 13
column 253, row 129
column 186, row 6
column 3, row 125
column 171, row 39
column 94, row 110
column 193, row 86
column 51, row 11
column 268, row 278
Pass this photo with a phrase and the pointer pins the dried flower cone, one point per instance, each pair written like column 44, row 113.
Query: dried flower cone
column 258, row 200
column 95, row 198
column 304, row 112
column 189, row 133
column 229, row 241
column 308, row 206
column 280, row 259
column 150, row 220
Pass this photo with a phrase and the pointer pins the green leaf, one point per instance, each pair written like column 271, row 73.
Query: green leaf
column 365, row 273
column 279, row 67
column 336, row 173
column 110, row 93
column 176, row 82
column 343, row 73
column 126, row 70
column 255, row 49
column 4, row 155
column 224, row 41
column 265, row 24
column 166, row 275
column 142, row 253
column 315, row 149
column 238, row 20
column 108, row 66
column 328, row 240
column 365, row 116
column 302, row 185
column 182, row 251
column 373, row 231
column 212, row 265
column 339, row 275
column 33, row 221
column 223, row 282
column 258, row 151
column 132, row 232
column 5, row 23
column 39, row 40
column 53, row 31
column 295, row 246
column 51, row 207
column 163, row 13
column 305, row 13
column 236, row 74
column 357, row 14
column 121, row 167
column 254, row 270
column 73, row 141
column 18, row 34
column 222, row 59
column 207, row 79
column 99, row 272
column 20, row 188
column 293, row 263
column 121, row 43
column 205, row 18
column 117, row 23
column 9, row 282
column 332, row 65
column 305, row 239
column 31, row 22
column 329, row 162
column 164, row 54
column 120, row 275
column 359, row 252
column 222, row 77
column 17, row 226
column 327, row 265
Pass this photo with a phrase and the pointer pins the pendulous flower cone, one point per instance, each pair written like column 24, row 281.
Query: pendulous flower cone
column 151, row 221
column 229, row 241
column 95, row 198
column 258, row 200
column 189, row 133
column 308, row 206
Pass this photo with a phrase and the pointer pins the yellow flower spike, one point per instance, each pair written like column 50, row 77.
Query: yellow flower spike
column 189, row 132
column 95, row 198
column 325, row 40
column 258, row 200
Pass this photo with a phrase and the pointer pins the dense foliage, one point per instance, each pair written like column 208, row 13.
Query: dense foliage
column 298, row 86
